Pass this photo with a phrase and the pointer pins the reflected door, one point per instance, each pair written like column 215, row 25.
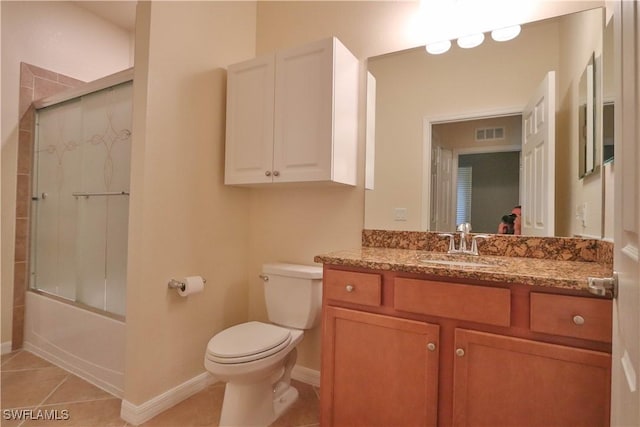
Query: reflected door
column 538, row 161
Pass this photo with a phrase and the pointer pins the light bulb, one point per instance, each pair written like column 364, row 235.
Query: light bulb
column 438, row 47
column 505, row 34
column 473, row 40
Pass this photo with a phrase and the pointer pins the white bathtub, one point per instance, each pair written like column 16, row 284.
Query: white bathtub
column 88, row 344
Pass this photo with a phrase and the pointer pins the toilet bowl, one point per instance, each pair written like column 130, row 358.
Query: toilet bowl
column 255, row 359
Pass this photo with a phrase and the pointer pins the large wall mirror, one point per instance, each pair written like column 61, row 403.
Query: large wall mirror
column 441, row 118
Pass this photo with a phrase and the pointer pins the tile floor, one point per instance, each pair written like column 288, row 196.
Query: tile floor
column 31, row 383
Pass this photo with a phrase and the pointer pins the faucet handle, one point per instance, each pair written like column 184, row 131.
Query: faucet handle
column 452, row 243
column 465, row 227
column 474, row 242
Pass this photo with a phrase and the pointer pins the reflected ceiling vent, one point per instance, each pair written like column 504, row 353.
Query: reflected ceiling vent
column 489, row 134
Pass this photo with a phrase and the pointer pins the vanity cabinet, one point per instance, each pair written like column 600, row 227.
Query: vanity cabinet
column 505, row 381
column 404, row 349
column 384, row 370
column 292, row 116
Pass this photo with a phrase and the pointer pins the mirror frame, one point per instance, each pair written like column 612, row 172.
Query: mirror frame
column 586, row 120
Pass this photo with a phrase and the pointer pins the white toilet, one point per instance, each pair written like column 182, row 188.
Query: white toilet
column 255, row 359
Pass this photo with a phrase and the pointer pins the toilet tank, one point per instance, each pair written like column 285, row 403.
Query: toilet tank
column 293, row 294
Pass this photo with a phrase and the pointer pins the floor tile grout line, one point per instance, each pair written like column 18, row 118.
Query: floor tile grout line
column 44, row 405
column 33, row 369
column 64, row 380
column 11, row 358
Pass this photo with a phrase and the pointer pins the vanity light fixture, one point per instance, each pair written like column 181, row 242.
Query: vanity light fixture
column 471, row 41
column 438, row 47
column 506, row 33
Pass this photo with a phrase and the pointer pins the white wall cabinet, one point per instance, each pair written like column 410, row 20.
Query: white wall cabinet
column 292, row 116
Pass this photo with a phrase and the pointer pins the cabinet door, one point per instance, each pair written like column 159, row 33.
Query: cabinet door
column 249, row 137
column 303, row 118
column 505, row 381
column 378, row 370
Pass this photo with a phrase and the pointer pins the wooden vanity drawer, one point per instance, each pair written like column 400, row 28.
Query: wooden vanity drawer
column 586, row 318
column 349, row 286
column 456, row 301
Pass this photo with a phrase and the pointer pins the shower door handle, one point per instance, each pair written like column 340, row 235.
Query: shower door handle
column 103, row 193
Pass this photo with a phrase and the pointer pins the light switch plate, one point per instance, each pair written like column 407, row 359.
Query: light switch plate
column 400, row 214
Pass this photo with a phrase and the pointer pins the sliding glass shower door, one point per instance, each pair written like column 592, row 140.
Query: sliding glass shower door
column 80, row 198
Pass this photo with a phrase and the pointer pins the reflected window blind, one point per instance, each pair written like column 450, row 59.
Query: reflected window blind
column 463, row 209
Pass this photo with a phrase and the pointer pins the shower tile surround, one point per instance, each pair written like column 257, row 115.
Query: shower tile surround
column 35, row 83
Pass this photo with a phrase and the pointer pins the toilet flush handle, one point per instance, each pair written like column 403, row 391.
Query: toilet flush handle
column 264, row 277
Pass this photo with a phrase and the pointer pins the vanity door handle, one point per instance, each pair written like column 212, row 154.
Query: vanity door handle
column 267, row 173
column 350, row 288
column 459, row 352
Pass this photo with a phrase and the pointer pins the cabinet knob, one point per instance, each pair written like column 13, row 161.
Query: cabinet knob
column 459, row 352
column 431, row 347
column 350, row 288
column 276, row 173
column 578, row 320
column 267, row 173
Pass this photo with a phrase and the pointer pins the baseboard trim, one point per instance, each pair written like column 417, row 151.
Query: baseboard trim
column 306, row 375
column 138, row 414
column 6, row 347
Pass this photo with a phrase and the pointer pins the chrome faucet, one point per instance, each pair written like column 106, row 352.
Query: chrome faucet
column 464, row 229
column 474, row 243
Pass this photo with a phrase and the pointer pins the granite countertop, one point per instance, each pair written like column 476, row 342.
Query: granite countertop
column 567, row 275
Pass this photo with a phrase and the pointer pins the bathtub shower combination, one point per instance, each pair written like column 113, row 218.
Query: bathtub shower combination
column 80, row 204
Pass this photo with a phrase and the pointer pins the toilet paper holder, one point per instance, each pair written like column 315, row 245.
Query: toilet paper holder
column 177, row 284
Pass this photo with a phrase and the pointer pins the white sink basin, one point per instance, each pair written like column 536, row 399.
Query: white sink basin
column 455, row 263
column 458, row 260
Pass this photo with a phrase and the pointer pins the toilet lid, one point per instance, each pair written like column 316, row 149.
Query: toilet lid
column 247, row 341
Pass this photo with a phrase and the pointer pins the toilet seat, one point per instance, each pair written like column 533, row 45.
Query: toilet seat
column 247, row 342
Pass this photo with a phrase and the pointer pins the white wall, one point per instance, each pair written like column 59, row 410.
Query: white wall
column 580, row 36
column 183, row 220
column 60, row 37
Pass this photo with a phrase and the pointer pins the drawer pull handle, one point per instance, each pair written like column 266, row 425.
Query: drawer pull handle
column 350, row 288
column 578, row 320
column 459, row 352
column 431, row 347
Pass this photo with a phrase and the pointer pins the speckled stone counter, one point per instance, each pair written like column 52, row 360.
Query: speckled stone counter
column 568, row 275
column 557, row 248
column 563, row 263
